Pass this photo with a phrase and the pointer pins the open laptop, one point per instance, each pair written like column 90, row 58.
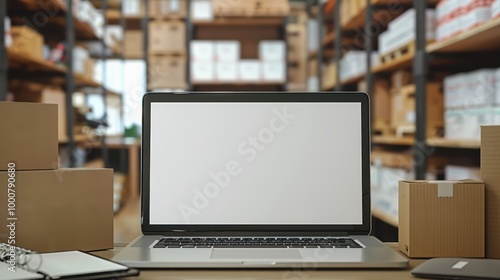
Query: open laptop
column 267, row 180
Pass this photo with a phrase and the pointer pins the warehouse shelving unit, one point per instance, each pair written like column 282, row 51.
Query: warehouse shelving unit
column 469, row 50
column 59, row 24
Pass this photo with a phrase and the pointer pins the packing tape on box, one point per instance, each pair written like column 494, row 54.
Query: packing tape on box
column 445, row 188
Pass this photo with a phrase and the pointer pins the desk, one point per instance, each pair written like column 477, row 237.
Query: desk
column 284, row 274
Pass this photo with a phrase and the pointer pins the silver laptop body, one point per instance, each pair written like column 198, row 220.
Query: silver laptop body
column 256, row 180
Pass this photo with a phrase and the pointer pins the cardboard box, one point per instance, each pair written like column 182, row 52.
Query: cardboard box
column 490, row 165
column 134, row 47
column 167, row 72
column 29, row 136
column 167, row 37
column 401, row 78
column 59, row 210
column 31, row 92
column 26, row 41
column 441, row 219
column 227, row 51
column 272, row 50
column 273, row 71
column 132, row 7
column 202, row 50
column 89, row 68
column 249, row 70
column 297, row 74
column 202, row 71
column 381, row 101
column 251, row 8
column 403, row 108
column 329, row 76
column 167, row 8
column 202, row 10
column 466, row 124
column 226, row 71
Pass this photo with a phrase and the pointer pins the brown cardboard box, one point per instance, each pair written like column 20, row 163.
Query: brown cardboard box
column 403, row 108
column 29, row 136
column 167, row 8
column 58, row 210
column 133, row 44
column 441, row 219
column 297, row 74
column 490, row 174
column 167, row 37
column 329, row 76
column 381, row 101
column 251, row 8
column 89, row 68
column 401, row 78
column 26, row 41
column 167, row 72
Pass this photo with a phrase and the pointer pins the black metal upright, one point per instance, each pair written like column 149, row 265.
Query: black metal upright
column 420, row 70
column 3, row 53
column 145, row 41
column 70, row 82
column 320, row 44
column 337, row 43
column 104, row 147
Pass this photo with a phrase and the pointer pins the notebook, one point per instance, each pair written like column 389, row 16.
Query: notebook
column 17, row 263
column 256, row 180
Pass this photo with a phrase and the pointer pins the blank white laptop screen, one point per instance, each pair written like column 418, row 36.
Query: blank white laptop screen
column 256, row 163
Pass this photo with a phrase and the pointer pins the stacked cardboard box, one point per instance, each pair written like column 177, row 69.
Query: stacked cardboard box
column 167, row 8
column 219, row 61
column 402, row 31
column 167, row 54
column 26, row 42
column 351, row 9
column 457, row 16
column 297, row 54
column 224, row 8
column 68, row 209
column 471, row 100
column 353, row 63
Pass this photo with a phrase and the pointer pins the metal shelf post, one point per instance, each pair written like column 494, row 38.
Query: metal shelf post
column 70, row 82
column 420, row 70
column 145, row 41
column 104, row 147
column 320, row 44
column 338, row 43
column 368, row 41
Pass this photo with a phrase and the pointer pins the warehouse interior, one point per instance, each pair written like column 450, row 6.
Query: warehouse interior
column 431, row 69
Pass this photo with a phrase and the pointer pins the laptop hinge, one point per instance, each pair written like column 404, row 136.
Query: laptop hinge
column 253, row 233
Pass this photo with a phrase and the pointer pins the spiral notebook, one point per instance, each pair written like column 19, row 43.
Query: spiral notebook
column 19, row 264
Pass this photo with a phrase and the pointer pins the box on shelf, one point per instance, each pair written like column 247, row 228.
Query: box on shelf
column 272, row 50
column 69, row 209
column 495, row 9
column 497, row 86
column 224, row 8
column 403, row 109
column 29, row 136
column 329, row 76
column 31, row 92
column 313, row 67
column 464, row 124
column 227, row 51
column 273, row 71
column 474, row 13
column 202, row 10
column 381, row 96
column 450, row 213
column 7, row 36
column 80, row 55
column 89, row 66
column 202, row 71
column 133, row 44
column 132, row 7
column 226, row 71
column 455, row 172
column 470, row 90
column 26, row 42
column 202, row 50
column 167, row 37
column 297, row 74
column 400, row 78
column 167, row 8
column 296, row 39
column 490, row 164
column 167, row 72
column 249, row 70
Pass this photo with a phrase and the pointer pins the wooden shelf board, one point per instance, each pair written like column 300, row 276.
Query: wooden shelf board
column 481, row 38
column 353, row 80
column 447, row 143
column 28, row 63
column 403, row 62
column 382, row 215
column 393, row 140
column 241, row 21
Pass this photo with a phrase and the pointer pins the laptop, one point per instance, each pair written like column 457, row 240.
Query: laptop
column 256, row 180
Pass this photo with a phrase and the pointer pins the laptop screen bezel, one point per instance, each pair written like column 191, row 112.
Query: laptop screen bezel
column 171, row 97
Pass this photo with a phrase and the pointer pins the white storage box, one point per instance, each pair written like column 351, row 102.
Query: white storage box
column 202, row 50
column 228, row 51
column 202, row 71
column 226, row 71
column 249, row 70
column 272, row 50
column 274, row 71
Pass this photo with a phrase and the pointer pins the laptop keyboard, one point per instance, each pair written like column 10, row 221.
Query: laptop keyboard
column 257, row 242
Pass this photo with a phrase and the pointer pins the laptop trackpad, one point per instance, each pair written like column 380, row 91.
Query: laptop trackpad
column 255, row 254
